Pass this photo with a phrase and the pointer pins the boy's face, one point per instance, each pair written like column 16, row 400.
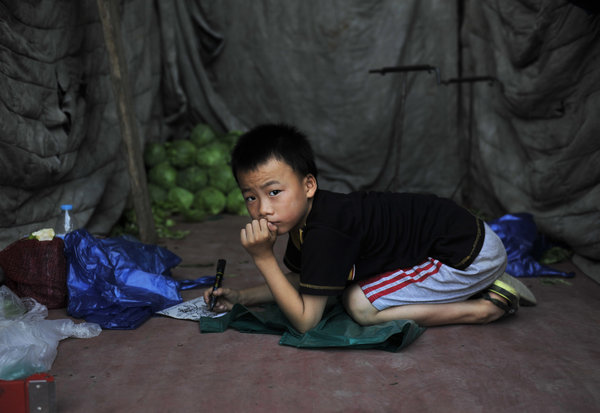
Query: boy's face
column 275, row 192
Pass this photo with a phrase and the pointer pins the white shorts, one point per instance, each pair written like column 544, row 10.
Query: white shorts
column 434, row 282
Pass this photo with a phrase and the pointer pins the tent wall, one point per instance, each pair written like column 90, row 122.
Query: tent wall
column 535, row 140
column 60, row 139
column 526, row 142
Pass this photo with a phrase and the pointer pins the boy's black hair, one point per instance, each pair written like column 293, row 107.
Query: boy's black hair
column 280, row 141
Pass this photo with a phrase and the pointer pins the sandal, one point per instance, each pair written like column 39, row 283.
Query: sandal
column 511, row 305
column 526, row 297
column 513, row 291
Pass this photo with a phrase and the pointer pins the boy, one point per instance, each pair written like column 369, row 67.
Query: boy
column 391, row 256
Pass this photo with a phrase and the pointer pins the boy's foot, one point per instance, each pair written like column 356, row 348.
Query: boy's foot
column 526, row 297
column 505, row 299
column 507, row 293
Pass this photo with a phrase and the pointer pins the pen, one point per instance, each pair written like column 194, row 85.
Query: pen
column 218, row 278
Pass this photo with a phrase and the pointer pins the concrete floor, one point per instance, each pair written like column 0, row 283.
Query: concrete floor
column 544, row 359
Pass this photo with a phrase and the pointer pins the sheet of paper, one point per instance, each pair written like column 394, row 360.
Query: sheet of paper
column 190, row 310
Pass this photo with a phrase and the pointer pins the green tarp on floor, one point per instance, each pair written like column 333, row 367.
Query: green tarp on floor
column 336, row 329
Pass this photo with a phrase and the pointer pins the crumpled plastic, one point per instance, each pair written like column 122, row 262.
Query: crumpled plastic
column 29, row 342
column 524, row 245
column 120, row 282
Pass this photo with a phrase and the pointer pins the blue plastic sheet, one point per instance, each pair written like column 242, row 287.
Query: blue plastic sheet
column 120, row 282
column 524, row 245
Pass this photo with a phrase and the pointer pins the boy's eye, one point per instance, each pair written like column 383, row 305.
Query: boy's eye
column 249, row 198
column 274, row 192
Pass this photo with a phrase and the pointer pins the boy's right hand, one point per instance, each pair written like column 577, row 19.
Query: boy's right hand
column 258, row 238
column 226, row 298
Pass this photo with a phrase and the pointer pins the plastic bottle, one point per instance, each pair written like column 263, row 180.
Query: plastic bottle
column 65, row 222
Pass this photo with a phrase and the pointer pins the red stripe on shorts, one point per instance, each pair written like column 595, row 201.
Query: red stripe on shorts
column 389, row 282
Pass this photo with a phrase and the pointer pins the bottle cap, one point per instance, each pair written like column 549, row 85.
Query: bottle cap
column 66, row 207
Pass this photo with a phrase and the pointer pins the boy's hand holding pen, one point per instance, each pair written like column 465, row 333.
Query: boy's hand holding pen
column 218, row 280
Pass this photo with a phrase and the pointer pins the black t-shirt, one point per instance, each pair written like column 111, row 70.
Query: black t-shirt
column 350, row 237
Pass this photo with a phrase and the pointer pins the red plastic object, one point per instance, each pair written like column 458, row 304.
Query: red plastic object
column 35, row 393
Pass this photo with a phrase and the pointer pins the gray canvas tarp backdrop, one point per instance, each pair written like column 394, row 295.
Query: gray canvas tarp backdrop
column 527, row 142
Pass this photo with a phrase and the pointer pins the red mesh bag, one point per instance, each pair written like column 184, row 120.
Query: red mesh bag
column 36, row 269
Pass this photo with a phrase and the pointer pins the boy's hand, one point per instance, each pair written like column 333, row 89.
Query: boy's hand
column 226, row 298
column 258, row 238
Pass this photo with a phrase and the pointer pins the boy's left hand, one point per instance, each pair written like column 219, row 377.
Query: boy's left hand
column 258, row 239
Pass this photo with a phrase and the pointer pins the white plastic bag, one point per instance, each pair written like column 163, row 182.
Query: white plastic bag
column 29, row 342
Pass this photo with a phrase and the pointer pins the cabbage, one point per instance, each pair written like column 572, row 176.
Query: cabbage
column 154, row 153
column 221, row 177
column 180, row 197
column 181, row 153
column 212, row 155
column 232, row 137
column 163, row 175
column 157, row 194
column 194, row 215
column 235, row 203
column 202, row 135
column 210, row 200
column 193, row 178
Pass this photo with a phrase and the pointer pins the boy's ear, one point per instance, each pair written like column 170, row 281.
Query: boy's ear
column 310, row 183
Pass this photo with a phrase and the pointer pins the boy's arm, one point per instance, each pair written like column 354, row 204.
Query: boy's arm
column 303, row 311
column 260, row 294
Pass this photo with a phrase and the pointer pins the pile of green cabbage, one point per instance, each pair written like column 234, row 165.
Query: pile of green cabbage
column 190, row 178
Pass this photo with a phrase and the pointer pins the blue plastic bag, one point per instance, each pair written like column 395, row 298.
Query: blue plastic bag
column 524, row 245
column 120, row 282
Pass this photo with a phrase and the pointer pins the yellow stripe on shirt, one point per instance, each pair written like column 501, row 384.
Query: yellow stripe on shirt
column 320, row 287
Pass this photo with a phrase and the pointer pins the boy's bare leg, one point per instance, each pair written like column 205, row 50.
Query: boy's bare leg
column 475, row 311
